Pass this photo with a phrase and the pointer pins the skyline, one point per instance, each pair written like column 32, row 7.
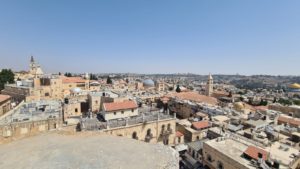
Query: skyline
column 200, row 37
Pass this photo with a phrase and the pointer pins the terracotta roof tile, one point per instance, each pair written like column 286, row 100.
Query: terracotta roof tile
column 200, row 125
column 253, row 151
column 119, row 106
column 178, row 134
column 4, row 97
column 193, row 96
column 73, row 80
column 289, row 120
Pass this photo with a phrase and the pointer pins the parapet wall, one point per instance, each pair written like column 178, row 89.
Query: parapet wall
column 15, row 131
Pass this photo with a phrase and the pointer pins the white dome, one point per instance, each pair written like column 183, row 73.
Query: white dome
column 148, row 83
column 75, row 90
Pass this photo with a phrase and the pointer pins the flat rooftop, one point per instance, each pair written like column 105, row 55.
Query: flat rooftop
column 32, row 111
column 86, row 150
column 232, row 149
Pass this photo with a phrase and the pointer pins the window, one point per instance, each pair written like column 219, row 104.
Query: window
column 122, row 112
column 179, row 139
column 132, row 110
column 148, row 132
column 220, row 165
column 115, row 113
column 76, row 110
column 134, row 135
column 209, row 158
column 198, row 138
column 169, row 126
column 46, row 94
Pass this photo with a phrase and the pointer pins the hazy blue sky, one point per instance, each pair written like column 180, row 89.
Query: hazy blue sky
column 149, row 36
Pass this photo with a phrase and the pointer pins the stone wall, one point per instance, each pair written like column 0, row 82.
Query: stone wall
column 217, row 158
column 19, row 130
column 141, row 130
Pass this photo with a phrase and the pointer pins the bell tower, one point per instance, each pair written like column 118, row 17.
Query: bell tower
column 32, row 65
column 209, row 86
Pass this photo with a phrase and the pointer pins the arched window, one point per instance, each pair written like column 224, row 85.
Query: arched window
column 169, row 126
column 76, row 110
column 134, row 135
column 220, row 165
column 209, row 158
column 148, row 132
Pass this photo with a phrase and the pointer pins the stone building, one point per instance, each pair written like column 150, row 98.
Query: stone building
column 5, row 104
column 117, row 110
column 225, row 153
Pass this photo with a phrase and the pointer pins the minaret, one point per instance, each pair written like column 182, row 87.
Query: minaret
column 209, row 86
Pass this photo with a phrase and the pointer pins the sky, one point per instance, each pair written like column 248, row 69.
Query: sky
column 152, row 36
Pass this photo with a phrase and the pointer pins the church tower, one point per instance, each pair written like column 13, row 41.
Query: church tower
column 35, row 69
column 209, row 86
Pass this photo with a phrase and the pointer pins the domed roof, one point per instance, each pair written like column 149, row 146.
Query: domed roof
column 239, row 105
column 294, row 86
column 148, row 83
column 75, row 90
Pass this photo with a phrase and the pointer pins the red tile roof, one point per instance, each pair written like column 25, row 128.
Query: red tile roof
column 200, row 125
column 73, row 80
column 262, row 108
column 178, row 134
column 119, row 106
column 194, row 96
column 4, row 97
column 253, row 152
column 289, row 120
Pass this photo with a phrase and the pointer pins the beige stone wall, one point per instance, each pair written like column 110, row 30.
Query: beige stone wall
column 191, row 134
column 216, row 157
column 72, row 109
column 286, row 110
column 141, row 131
column 5, row 107
column 179, row 140
column 16, row 131
column 94, row 103
column 120, row 114
column 181, row 109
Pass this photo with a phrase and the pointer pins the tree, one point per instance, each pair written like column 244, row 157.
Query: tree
column 263, row 102
column 297, row 102
column 6, row 76
column 68, row 74
column 109, row 81
column 127, row 81
column 93, row 77
column 178, row 90
column 285, row 102
column 171, row 88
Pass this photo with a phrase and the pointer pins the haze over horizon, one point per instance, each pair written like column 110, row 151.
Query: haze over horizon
column 221, row 37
